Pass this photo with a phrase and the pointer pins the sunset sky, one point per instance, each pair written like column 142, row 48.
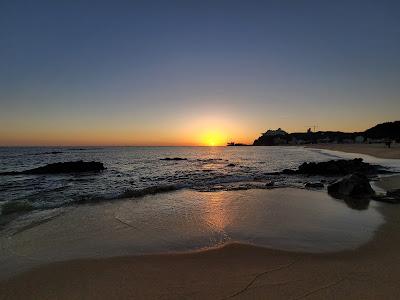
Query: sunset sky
column 193, row 72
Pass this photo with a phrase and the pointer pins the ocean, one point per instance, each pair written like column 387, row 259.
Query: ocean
column 136, row 171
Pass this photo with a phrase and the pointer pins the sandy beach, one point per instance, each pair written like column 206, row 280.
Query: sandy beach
column 232, row 271
column 376, row 150
column 235, row 271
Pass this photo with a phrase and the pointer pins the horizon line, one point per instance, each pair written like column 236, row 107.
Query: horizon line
column 94, row 146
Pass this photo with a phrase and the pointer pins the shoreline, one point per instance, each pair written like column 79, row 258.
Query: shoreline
column 233, row 270
column 374, row 150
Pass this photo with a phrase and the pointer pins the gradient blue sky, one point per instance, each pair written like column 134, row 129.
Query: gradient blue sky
column 184, row 72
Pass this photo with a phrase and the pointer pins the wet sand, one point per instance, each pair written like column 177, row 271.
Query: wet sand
column 375, row 150
column 234, row 271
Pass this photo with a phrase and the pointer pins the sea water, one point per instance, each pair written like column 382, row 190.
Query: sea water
column 141, row 170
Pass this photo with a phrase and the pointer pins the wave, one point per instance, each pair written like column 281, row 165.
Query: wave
column 48, row 152
column 23, row 206
column 211, row 159
column 152, row 190
column 16, row 206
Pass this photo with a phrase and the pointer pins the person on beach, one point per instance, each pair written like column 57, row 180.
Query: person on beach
column 388, row 142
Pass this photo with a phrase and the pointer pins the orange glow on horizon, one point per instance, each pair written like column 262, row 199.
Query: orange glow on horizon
column 213, row 138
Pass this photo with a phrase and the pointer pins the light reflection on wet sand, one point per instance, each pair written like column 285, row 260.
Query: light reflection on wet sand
column 288, row 219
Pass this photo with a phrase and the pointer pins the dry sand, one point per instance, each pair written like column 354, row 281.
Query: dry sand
column 234, row 271
column 376, row 150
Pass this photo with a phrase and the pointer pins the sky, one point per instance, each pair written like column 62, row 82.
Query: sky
column 194, row 72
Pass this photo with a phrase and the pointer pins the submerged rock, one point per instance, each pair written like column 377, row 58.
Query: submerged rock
column 357, row 203
column 392, row 196
column 393, row 193
column 51, row 152
column 314, row 185
column 173, row 158
column 231, row 165
column 16, row 206
column 351, row 186
column 63, row 167
column 152, row 190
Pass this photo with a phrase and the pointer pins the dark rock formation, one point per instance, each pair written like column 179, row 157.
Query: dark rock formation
column 173, row 158
column 285, row 171
column 270, row 183
column 357, row 203
column 335, row 168
column 231, row 165
column 15, row 206
column 63, row 167
column 351, row 186
column 314, row 185
column 51, row 152
column 393, row 193
column 392, row 196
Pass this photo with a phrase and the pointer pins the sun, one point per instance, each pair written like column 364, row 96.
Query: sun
column 213, row 138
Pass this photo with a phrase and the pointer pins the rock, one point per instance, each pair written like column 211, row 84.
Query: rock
column 357, row 203
column 270, row 183
column 173, row 158
column 392, row 196
column 337, row 167
column 393, row 193
column 51, row 152
column 16, row 206
column 351, row 186
column 231, row 165
column 288, row 172
column 314, row 185
column 63, row 167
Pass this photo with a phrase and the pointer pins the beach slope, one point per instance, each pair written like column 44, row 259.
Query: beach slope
column 376, row 150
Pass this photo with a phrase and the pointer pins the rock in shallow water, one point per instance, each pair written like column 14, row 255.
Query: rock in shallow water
column 173, row 158
column 353, row 186
column 392, row 196
column 314, row 185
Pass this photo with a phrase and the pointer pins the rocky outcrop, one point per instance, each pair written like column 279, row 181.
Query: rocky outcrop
column 338, row 167
column 173, row 158
column 63, row 167
column 269, row 183
column 351, row 186
column 314, row 185
column 392, row 196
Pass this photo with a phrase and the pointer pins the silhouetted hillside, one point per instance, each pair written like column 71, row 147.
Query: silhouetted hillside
column 378, row 133
column 385, row 130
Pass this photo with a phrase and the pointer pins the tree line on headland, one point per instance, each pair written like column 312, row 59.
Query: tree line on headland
column 381, row 133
